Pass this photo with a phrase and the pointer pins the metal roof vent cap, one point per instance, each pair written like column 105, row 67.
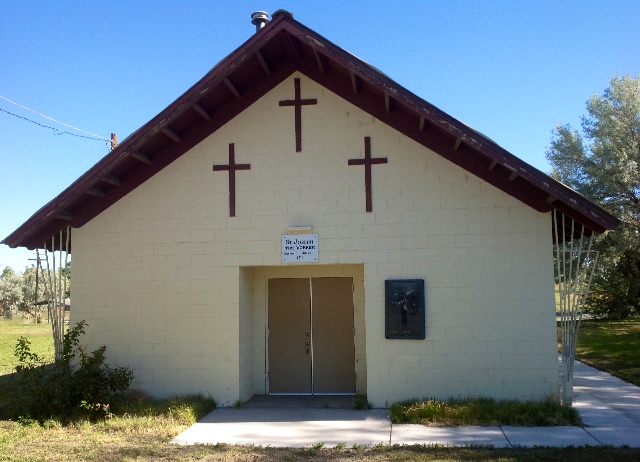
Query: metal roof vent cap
column 284, row 12
column 260, row 19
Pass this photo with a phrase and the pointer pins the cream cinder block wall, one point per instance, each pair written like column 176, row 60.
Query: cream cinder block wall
column 165, row 278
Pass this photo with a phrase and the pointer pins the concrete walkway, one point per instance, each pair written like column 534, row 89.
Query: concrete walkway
column 608, row 406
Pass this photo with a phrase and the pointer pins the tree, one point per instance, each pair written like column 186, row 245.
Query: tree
column 10, row 292
column 17, row 291
column 602, row 162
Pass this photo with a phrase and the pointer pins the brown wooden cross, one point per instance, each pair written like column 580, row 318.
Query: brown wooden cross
column 297, row 103
column 368, row 162
column 232, row 167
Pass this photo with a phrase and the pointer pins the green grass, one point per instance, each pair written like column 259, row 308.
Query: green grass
column 483, row 412
column 611, row 346
column 40, row 336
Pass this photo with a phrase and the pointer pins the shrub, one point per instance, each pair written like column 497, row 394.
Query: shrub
column 80, row 383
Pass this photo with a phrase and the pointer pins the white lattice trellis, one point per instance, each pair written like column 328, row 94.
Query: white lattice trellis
column 575, row 265
column 55, row 284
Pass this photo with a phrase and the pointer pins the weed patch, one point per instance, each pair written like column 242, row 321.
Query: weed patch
column 183, row 411
column 361, row 402
column 483, row 411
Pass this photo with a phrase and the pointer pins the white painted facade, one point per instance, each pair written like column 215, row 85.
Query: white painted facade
column 176, row 288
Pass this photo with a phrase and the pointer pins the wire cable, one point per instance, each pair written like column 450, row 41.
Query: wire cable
column 57, row 132
column 53, row 120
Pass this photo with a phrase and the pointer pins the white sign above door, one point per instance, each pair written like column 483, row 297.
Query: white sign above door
column 300, row 248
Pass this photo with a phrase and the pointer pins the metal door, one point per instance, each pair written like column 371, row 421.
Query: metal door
column 289, row 336
column 333, row 346
column 311, row 347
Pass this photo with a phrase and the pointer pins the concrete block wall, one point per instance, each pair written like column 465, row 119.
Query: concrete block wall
column 162, row 276
column 246, row 333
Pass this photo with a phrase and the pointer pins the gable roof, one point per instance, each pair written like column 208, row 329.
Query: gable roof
column 282, row 47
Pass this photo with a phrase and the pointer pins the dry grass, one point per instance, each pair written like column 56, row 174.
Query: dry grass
column 102, row 442
column 139, row 427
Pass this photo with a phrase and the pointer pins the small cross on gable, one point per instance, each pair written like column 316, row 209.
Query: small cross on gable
column 368, row 161
column 232, row 167
column 297, row 103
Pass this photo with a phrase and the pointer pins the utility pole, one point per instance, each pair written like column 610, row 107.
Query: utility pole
column 36, row 305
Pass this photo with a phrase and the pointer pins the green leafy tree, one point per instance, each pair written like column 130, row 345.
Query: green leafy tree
column 602, row 162
column 11, row 298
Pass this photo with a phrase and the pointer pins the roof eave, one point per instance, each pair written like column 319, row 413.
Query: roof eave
column 478, row 148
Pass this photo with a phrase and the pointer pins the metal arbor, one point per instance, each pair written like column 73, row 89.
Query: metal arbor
column 575, row 264
column 55, row 284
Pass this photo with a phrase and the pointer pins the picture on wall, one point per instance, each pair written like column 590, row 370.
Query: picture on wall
column 405, row 312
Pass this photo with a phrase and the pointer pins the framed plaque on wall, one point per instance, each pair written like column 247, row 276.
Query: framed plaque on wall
column 404, row 309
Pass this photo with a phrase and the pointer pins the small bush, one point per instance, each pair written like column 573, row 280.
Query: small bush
column 80, row 383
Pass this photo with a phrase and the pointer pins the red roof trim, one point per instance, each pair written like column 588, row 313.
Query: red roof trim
column 275, row 52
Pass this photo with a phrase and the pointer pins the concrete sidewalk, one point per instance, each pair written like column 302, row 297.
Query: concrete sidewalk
column 608, row 406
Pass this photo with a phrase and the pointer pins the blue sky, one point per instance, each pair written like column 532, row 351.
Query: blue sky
column 510, row 69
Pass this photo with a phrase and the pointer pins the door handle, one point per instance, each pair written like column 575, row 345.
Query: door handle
column 307, row 345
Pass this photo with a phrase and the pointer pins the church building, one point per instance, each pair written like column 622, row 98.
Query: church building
column 299, row 223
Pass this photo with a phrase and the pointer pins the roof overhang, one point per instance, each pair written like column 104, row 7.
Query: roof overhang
column 262, row 62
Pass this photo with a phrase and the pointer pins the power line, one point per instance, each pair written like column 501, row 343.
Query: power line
column 53, row 120
column 57, row 132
